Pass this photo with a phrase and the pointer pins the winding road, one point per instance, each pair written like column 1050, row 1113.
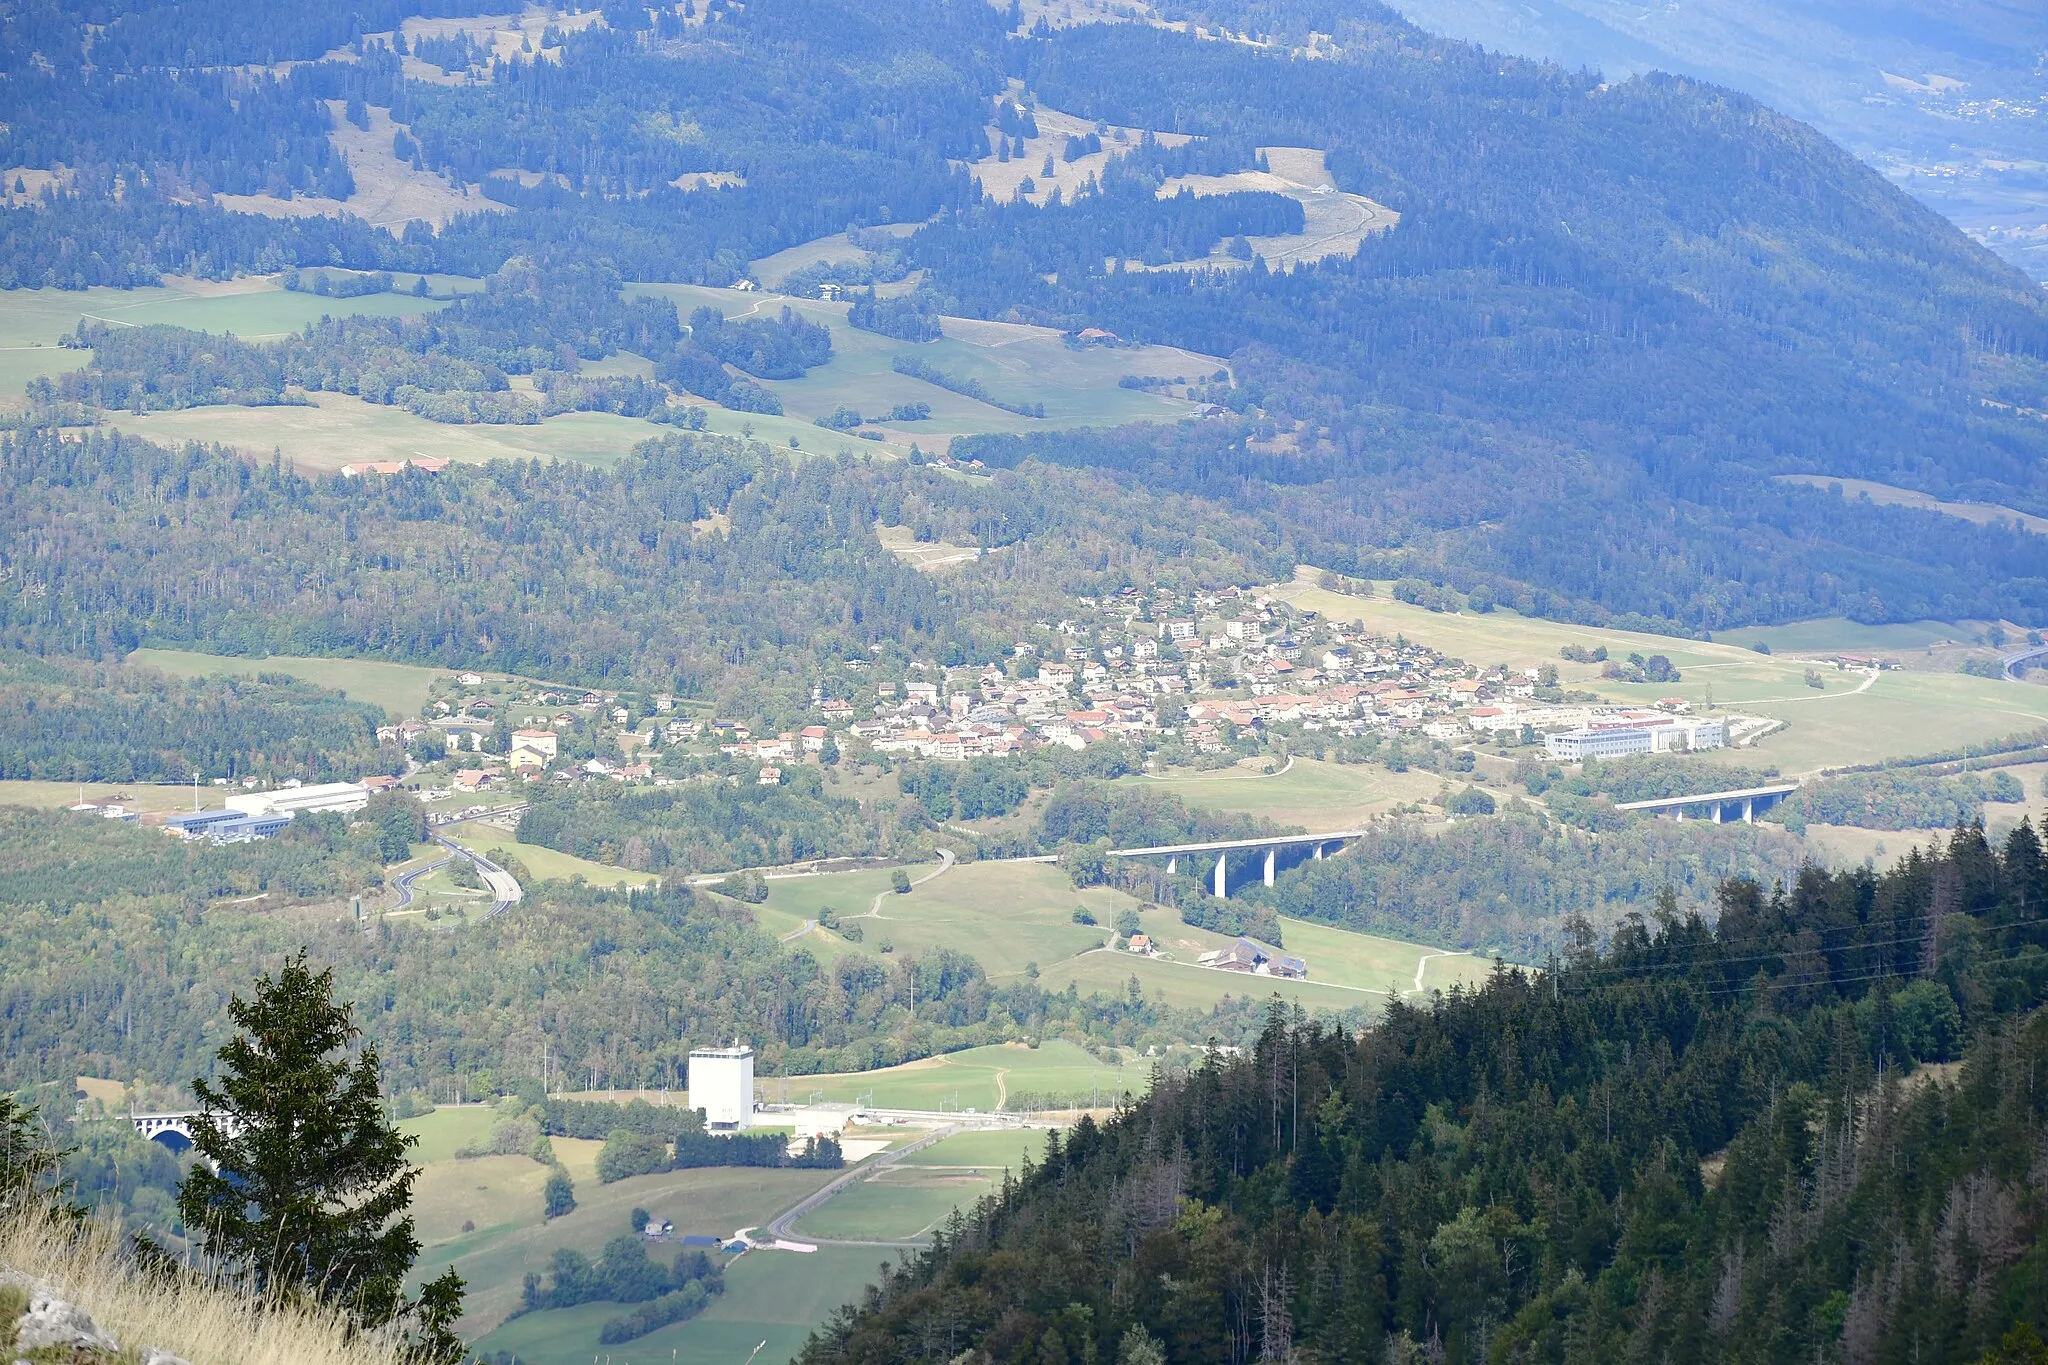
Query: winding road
column 504, row 887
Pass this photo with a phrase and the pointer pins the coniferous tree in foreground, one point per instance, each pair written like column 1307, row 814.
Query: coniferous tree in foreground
column 305, row 1186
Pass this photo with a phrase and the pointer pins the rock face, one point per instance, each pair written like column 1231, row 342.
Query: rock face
column 50, row 1320
column 53, row 1321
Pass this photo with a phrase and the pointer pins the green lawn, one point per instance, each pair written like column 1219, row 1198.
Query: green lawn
column 1311, row 795
column 400, row 689
column 775, row 1298
column 897, row 1204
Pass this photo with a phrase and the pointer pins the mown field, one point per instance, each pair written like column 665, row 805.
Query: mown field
column 400, row 689
column 545, row 863
column 981, row 1078
column 1316, row 796
column 499, row 1199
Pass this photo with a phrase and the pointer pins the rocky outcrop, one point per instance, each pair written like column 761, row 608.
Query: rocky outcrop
column 50, row 1322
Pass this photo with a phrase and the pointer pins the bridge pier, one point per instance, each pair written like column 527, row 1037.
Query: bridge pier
column 1717, row 812
column 1270, row 853
column 1222, row 886
column 1319, row 853
column 1748, row 810
column 1170, row 864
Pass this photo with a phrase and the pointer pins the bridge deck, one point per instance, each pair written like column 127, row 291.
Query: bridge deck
column 1707, row 798
column 1232, row 845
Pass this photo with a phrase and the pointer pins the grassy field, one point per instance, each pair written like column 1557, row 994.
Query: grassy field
column 980, row 1078
column 139, row 797
column 1314, row 795
column 898, row 1204
column 1886, row 495
column 32, row 320
column 772, row 1300
column 1017, row 364
column 545, row 863
column 1007, row 915
column 500, row 1198
column 1901, row 714
column 994, row 1149
column 1004, row 914
column 339, row 428
column 400, row 689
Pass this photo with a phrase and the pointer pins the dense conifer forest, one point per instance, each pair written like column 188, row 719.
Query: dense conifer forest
column 1811, row 1129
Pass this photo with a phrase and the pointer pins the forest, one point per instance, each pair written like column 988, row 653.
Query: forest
column 1645, row 298
column 125, row 946
column 1804, row 1129
column 68, row 722
column 575, row 574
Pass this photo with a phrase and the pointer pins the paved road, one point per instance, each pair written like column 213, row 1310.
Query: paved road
column 505, row 889
column 781, row 1224
column 2015, row 664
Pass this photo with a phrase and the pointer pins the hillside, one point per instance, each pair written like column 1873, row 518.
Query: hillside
column 1589, row 325
column 1749, row 1142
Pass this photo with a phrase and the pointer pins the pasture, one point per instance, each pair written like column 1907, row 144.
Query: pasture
column 546, row 864
column 980, row 1078
column 772, row 1300
column 142, row 798
column 500, row 1198
column 1314, row 795
column 1009, row 915
column 33, row 320
column 401, row 689
column 899, row 1204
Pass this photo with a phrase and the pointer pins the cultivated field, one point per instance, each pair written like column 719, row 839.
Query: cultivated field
column 1313, row 795
column 898, row 1203
column 400, row 689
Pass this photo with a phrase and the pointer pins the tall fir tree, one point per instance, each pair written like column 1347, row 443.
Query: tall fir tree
column 305, row 1187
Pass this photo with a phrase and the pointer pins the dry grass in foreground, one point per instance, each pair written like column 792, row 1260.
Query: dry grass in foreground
column 207, row 1325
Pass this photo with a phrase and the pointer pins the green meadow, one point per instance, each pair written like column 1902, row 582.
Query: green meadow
column 1313, row 795
column 980, row 1078
column 400, row 689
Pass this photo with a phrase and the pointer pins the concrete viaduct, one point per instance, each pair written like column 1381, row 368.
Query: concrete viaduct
column 1743, row 803
column 1271, row 846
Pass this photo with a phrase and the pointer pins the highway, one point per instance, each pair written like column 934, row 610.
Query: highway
column 504, row 887
column 2016, row 664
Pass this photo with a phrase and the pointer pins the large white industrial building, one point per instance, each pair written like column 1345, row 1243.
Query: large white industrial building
column 722, row 1086
column 345, row 797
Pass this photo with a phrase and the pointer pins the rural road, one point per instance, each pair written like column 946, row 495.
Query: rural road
column 782, row 1224
column 945, row 866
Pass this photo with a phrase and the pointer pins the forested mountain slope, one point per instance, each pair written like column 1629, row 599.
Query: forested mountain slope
column 1608, row 315
column 1709, row 1144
